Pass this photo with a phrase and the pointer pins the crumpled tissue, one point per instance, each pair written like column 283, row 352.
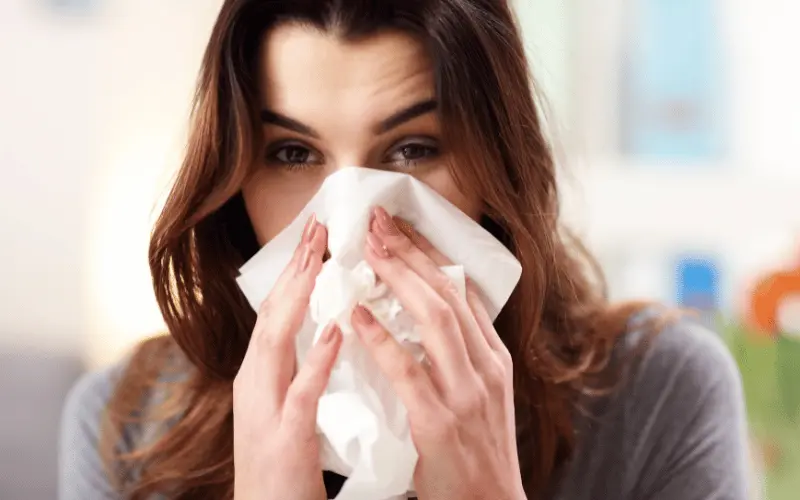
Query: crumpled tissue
column 362, row 423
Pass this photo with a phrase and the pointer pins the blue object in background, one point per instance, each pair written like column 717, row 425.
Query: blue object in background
column 697, row 281
column 672, row 92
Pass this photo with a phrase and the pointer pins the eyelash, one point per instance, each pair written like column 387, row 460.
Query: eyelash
column 275, row 151
column 430, row 151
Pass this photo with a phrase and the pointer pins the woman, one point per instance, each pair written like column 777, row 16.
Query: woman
column 565, row 396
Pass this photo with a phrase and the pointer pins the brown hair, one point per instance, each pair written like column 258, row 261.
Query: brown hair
column 558, row 325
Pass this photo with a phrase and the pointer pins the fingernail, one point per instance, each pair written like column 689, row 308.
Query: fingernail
column 405, row 228
column 385, row 220
column 362, row 315
column 329, row 334
column 377, row 246
column 310, row 228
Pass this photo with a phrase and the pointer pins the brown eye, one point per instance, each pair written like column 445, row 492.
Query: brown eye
column 410, row 153
column 415, row 151
column 293, row 156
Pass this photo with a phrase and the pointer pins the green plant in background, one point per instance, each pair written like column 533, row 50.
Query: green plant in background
column 770, row 368
column 788, row 368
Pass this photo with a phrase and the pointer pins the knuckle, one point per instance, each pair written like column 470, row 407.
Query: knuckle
column 446, row 287
column 495, row 377
column 287, row 291
column 408, row 368
column 474, row 295
column 298, row 402
column 270, row 333
column 481, row 397
column 506, row 360
column 273, row 340
column 266, row 306
column 441, row 317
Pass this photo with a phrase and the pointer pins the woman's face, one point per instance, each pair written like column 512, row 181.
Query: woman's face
column 327, row 104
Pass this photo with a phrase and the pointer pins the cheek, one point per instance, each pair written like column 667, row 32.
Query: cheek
column 273, row 200
column 441, row 181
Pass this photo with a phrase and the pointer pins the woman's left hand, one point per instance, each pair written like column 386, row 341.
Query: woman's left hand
column 461, row 406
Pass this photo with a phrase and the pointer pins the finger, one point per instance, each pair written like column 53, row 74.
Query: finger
column 478, row 307
column 441, row 333
column 302, row 398
column 304, row 254
column 400, row 244
column 282, row 313
column 408, row 377
column 422, row 242
column 475, row 298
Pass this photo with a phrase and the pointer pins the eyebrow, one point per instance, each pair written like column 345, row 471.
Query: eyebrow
column 394, row 121
column 269, row 116
column 405, row 115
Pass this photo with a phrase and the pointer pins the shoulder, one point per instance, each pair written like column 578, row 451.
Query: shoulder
column 154, row 363
column 82, row 473
column 94, row 403
column 683, row 363
column 673, row 427
column 85, row 405
column 681, row 415
column 91, row 393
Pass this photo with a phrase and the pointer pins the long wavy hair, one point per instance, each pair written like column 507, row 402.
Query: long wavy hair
column 558, row 325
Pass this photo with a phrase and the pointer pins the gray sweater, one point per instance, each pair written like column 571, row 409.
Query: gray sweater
column 675, row 431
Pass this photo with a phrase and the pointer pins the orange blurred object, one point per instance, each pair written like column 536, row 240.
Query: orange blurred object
column 767, row 296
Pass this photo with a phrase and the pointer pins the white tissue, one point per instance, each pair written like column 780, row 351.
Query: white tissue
column 362, row 423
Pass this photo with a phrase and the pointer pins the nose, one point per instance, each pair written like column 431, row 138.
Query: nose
column 341, row 165
column 351, row 158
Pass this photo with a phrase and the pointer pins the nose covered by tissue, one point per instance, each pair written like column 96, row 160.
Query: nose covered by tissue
column 363, row 425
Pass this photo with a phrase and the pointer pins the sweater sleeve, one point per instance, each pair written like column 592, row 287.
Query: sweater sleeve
column 82, row 475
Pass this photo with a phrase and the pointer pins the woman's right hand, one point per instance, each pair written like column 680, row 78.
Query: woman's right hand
column 276, row 448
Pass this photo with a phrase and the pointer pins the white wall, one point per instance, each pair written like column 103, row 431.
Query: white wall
column 48, row 82
column 94, row 110
column 549, row 34
column 149, row 66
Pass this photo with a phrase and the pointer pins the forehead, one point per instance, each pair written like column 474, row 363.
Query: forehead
column 306, row 72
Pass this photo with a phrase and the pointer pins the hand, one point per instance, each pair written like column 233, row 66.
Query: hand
column 276, row 449
column 461, row 409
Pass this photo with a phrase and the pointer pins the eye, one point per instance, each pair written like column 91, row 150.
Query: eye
column 293, row 156
column 411, row 152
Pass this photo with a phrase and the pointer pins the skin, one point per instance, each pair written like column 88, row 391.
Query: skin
column 460, row 407
column 342, row 92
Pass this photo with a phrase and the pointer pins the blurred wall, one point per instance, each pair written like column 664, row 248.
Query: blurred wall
column 94, row 109
column 152, row 52
column 637, row 215
column 47, row 128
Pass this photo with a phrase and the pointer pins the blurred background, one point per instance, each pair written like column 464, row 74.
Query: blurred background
column 675, row 121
